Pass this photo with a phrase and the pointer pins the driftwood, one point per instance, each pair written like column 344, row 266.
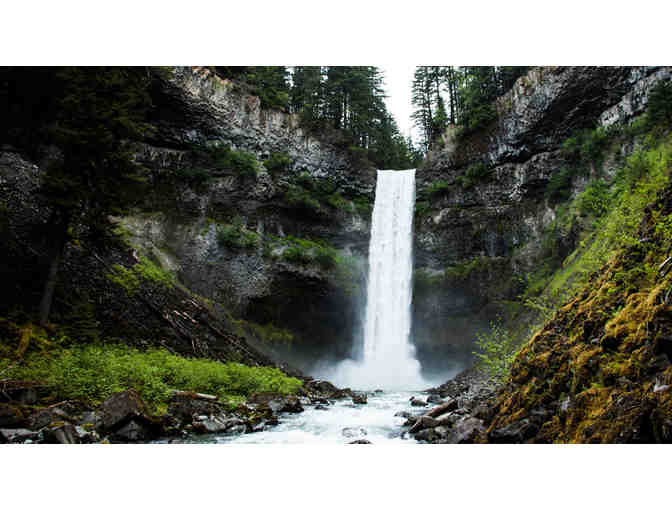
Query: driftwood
column 200, row 396
column 451, row 405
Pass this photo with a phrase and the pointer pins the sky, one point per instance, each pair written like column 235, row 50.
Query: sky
column 398, row 80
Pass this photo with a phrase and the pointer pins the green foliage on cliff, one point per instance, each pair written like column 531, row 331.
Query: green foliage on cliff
column 131, row 278
column 94, row 372
column 277, row 162
column 497, row 349
column 236, row 235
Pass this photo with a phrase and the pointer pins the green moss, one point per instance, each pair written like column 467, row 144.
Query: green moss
column 131, row 278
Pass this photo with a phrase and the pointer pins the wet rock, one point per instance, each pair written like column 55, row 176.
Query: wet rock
column 434, row 399
column 19, row 435
column 40, row 419
column 185, row 407
column 516, row 432
column 87, row 435
column 122, row 407
column 429, row 435
column 209, row 426
column 133, row 430
column 353, row 432
column 359, row 398
column 277, row 402
column 92, row 418
column 423, row 422
column 360, row 441
column 323, row 387
column 320, row 407
column 403, row 414
column 61, row 434
column 125, row 416
column 11, row 416
column 417, row 402
column 341, row 394
column 468, row 430
column 379, row 391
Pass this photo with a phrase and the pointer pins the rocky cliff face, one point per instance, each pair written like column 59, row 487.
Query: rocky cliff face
column 284, row 247
column 482, row 206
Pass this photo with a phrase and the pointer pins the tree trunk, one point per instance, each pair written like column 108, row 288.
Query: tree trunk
column 60, row 227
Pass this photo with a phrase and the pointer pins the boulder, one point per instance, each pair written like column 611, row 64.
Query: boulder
column 209, row 426
column 40, row 419
column 442, row 409
column 359, row 398
column 61, row 434
column 121, row 407
column 320, row 407
column 360, row 441
column 467, row 430
column 423, row 422
column 184, row 407
column 277, row 402
column 403, row 414
column 125, row 414
column 19, row 435
column 322, row 387
column 430, row 435
column 516, row 432
column 417, row 402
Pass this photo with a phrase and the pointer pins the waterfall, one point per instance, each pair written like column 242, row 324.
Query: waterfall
column 388, row 359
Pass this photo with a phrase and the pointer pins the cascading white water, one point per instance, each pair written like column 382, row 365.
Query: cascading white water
column 388, row 360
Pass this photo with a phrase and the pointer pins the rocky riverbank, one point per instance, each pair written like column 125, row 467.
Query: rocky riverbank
column 455, row 412
column 125, row 418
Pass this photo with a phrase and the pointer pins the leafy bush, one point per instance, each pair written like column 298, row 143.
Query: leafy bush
column 300, row 198
column 236, row 235
column 277, row 162
column 587, row 146
column 595, row 199
column 473, row 174
column 94, row 372
column 226, row 158
column 497, row 350
column 438, row 188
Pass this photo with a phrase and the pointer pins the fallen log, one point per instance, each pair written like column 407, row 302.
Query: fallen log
column 192, row 394
column 451, row 405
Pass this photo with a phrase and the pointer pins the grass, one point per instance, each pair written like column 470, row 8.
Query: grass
column 92, row 373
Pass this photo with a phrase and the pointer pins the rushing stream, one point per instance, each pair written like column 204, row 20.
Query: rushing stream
column 341, row 422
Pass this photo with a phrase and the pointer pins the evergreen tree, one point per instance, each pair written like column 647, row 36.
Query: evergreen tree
column 91, row 115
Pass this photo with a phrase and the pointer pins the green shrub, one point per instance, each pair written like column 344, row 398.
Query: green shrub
column 497, row 348
column 226, row 158
column 94, row 372
column 438, row 188
column 277, row 162
column 595, row 199
column 236, row 235
column 301, row 199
